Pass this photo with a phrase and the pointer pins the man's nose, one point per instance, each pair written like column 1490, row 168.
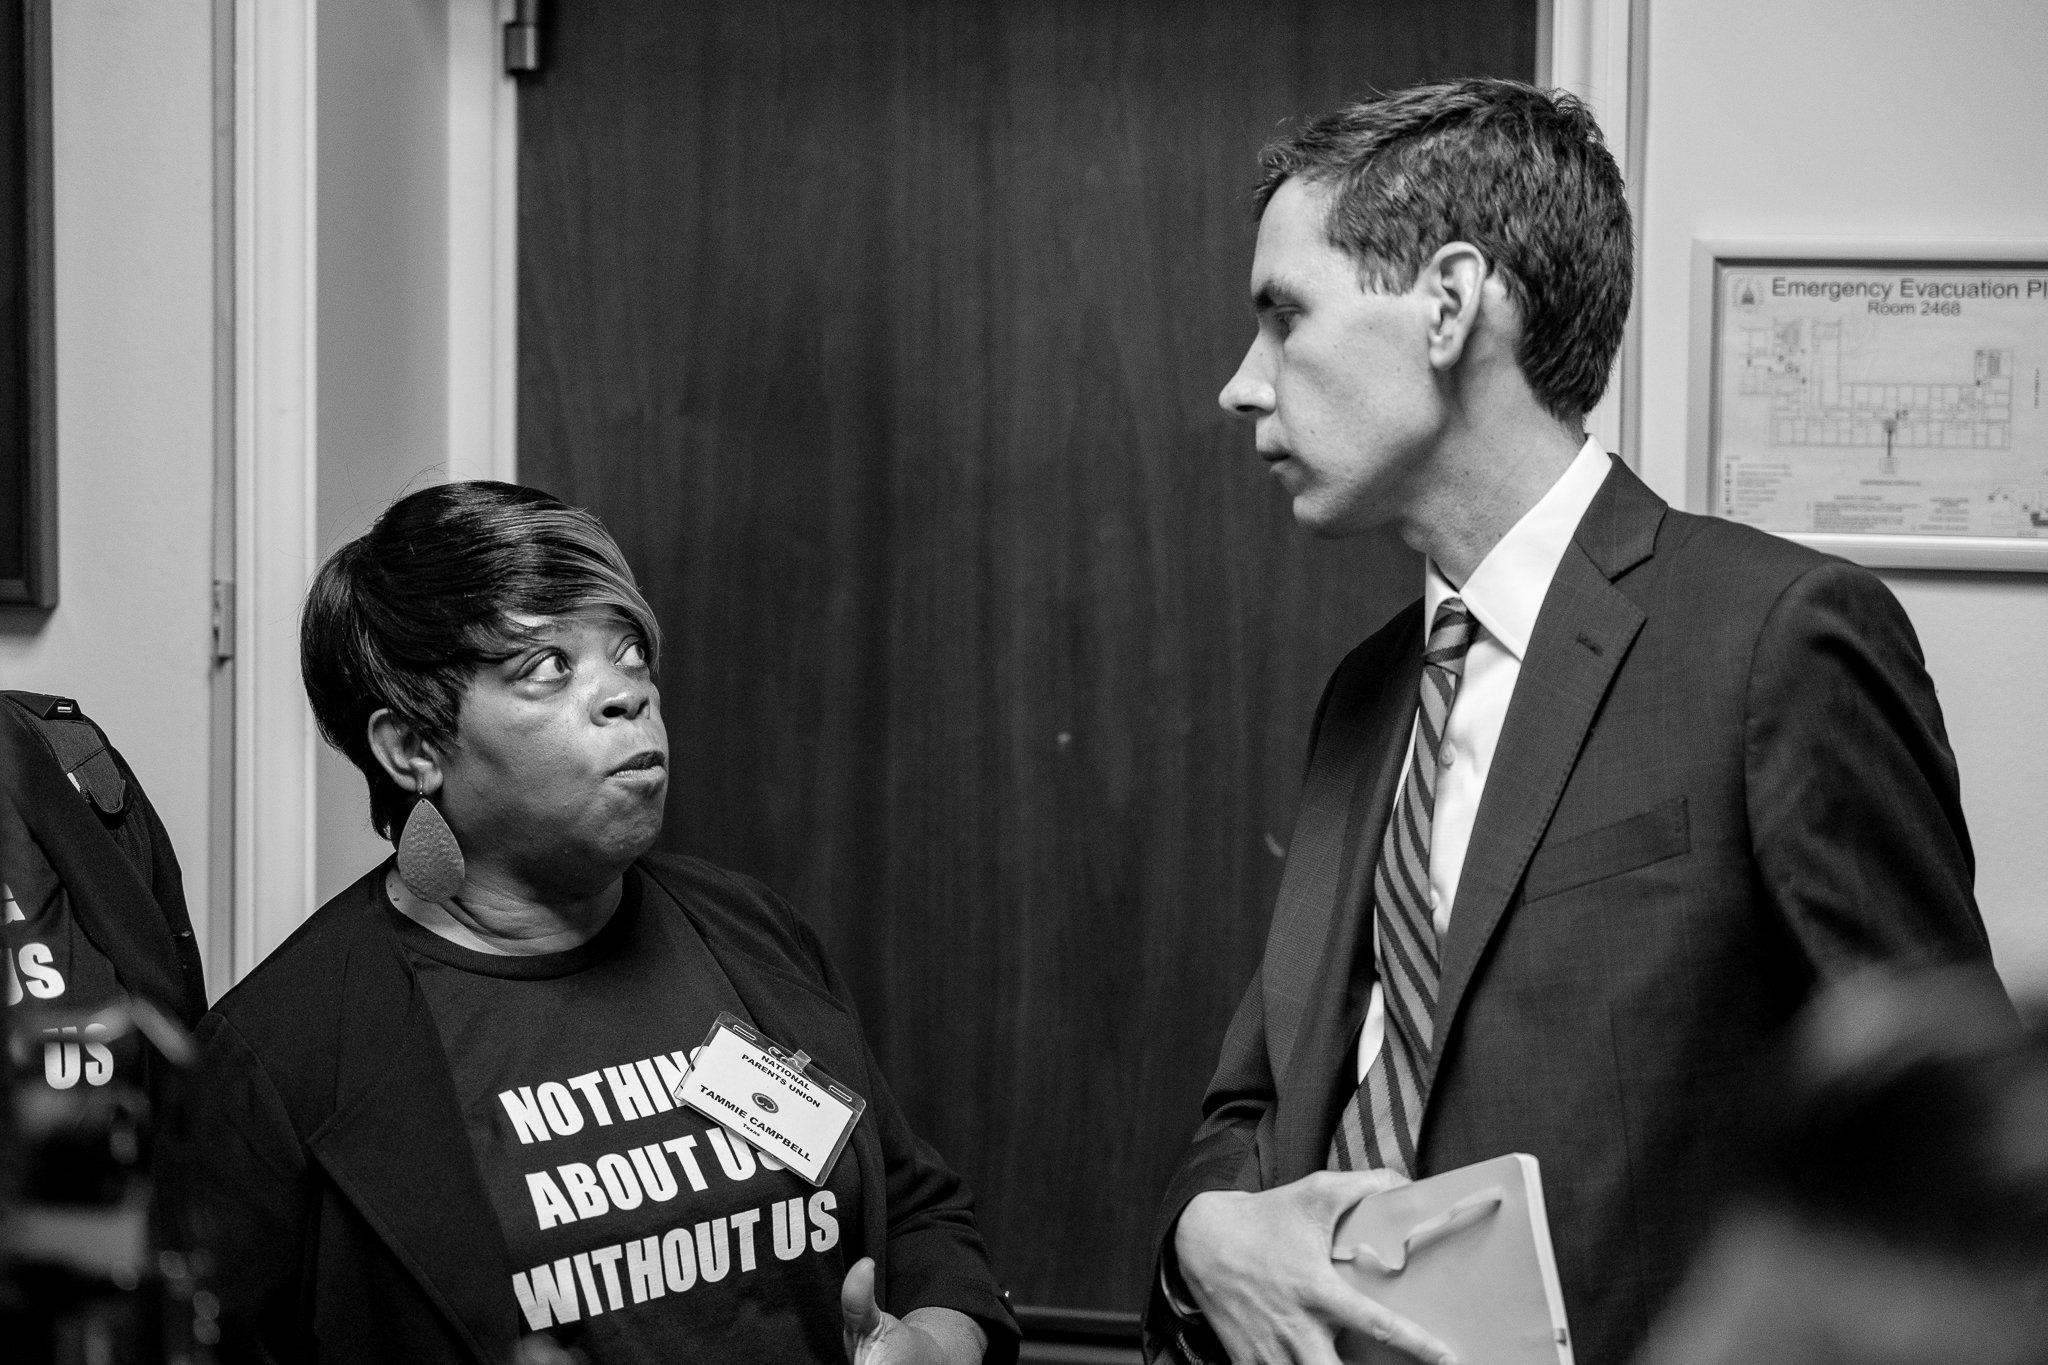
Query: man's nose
column 1249, row 393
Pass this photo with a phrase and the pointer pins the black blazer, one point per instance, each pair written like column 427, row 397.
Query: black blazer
column 119, row 871
column 325, row 1146
column 1723, row 779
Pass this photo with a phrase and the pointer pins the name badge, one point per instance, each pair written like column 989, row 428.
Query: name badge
column 775, row 1098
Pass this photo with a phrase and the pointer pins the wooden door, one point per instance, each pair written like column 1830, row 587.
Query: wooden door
column 886, row 334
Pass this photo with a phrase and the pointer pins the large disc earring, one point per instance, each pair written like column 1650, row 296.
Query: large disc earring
column 429, row 860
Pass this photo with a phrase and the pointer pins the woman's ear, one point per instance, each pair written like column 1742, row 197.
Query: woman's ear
column 1452, row 282
column 403, row 753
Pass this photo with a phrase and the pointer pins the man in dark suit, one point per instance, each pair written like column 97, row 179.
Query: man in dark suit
column 1584, row 827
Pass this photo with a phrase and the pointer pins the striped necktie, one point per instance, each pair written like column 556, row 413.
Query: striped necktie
column 1383, row 1119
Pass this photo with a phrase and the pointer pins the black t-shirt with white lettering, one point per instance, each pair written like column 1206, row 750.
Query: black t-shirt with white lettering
column 639, row 1229
column 49, row 964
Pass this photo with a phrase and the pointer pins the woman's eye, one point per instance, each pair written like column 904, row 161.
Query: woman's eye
column 550, row 667
column 633, row 655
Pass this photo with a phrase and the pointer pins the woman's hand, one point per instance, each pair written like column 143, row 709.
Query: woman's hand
column 928, row 1336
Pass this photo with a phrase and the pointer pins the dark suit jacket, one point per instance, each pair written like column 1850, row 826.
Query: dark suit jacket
column 1722, row 779
column 346, row 1211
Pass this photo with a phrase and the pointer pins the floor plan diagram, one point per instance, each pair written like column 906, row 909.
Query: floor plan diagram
column 1798, row 363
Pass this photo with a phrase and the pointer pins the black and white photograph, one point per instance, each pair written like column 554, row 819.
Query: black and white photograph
column 1023, row 682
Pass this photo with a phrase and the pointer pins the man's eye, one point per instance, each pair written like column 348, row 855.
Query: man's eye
column 633, row 655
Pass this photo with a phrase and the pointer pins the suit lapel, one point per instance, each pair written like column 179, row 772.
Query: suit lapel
column 1316, row 975
column 1583, row 633
column 397, row 1149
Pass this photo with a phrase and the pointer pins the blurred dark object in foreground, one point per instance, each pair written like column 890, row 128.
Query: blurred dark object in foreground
column 102, row 977
column 86, row 1278
column 1896, row 1207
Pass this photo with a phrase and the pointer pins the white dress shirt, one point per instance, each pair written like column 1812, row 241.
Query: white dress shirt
column 1504, row 595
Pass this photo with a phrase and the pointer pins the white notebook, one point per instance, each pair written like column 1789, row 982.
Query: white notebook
column 1467, row 1256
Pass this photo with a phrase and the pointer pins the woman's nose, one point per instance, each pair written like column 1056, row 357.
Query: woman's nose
column 626, row 696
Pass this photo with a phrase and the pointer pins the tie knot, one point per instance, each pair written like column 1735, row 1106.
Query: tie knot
column 1450, row 636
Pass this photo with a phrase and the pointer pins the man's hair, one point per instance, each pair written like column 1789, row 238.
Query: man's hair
column 404, row 615
column 1518, row 172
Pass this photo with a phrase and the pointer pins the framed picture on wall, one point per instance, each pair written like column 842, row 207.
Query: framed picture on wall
column 1881, row 401
column 28, row 435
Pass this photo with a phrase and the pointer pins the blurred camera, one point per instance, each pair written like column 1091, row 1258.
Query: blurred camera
column 91, row 1272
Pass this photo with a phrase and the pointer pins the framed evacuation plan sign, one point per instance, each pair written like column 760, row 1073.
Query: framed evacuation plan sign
column 1882, row 402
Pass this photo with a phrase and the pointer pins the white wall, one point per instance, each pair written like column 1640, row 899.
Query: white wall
column 411, row 158
column 417, row 198
column 131, row 636
column 1871, row 118
column 383, row 314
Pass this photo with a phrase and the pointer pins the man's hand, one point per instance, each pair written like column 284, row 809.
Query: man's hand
column 1259, row 1268
column 928, row 1336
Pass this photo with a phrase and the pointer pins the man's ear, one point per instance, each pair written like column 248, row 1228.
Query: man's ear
column 1451, row 285
column 403, row 753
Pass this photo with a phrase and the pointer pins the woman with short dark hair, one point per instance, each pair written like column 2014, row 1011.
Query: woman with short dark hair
column 458, row 1106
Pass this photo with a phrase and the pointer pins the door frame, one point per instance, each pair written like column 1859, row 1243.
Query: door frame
column 1599, row 50
column 264, row 742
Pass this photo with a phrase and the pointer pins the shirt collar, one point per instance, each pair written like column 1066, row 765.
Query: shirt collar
column 1505, row 593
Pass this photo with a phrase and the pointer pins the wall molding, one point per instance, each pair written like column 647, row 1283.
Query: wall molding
column 483, row 244
column 267, row 810
column 1599, row 50
column 276, row 448
column 219, row 945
